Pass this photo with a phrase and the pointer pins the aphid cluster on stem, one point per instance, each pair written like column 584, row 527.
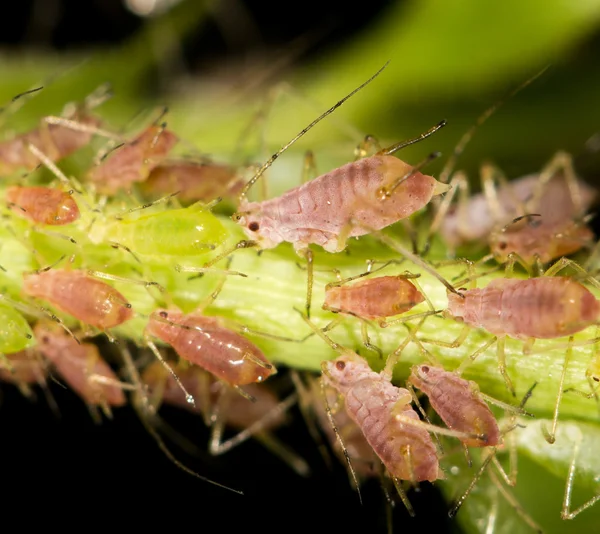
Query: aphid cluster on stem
column 160, row 274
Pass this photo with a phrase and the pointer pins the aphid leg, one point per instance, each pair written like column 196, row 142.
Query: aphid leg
column 306, row 399
column 309, row 169
column 550, row 437
column 340, row 441
column 510, row 499
column 308, row 256
column 563, row 263
column 189, row 398
column 514, row 258
column 369, row 146
column 220, row 447
column 459, row 183
column 287, row 455
column 114, row 278
column 490, row 526
column 394, row 245
column 66, row 182
column 139, row 407
column 364, row 332
column 560, row 162
column 566, row 512
column 489, row 175
column 271, row 160
column 81, row 127
column 502, row 364
column 423, row 413
column 208, row 266
column 403, row 497
column 459, row 502
column 341, row 281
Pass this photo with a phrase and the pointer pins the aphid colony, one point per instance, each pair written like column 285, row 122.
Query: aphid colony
column 78, row 247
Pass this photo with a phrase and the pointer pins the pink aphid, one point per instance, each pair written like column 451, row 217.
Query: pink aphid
column 56, row 141
column 194, row 181
column 372, row 402
column 240, row 413
column 133, row 161
column 78, row 364
column 27, row 369
column 474, row 221
column 205, row 342
column 373, row 298
column 348, row 201
column 458, row 403
column 537, row 239
column 88, row 299
column 543, row 308
column 43, row 205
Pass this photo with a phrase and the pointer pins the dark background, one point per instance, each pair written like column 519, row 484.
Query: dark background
column 70, row 473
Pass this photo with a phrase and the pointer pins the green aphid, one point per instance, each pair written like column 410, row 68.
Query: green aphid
column 190, row 231
column 15, row 332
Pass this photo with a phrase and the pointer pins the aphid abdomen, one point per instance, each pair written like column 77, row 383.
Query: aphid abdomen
column 406, row 450
column 384, row 296
column 43, row 205
column 194, row 181
column 543, row 308
column 133, row 161
column 67, row 140
column 204, row 342
column 181, row 232
column 74, row 292
column 455, row 400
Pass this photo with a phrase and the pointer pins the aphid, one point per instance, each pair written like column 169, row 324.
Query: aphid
column 458, row 402
column 43, row 205
column 206, row 342
column 374, row 298
column 133, row 161
column 475, row 217
column 81, row 367
column 531, row 240
column 220, row 407
column 190, row 231
column 25, row 370
column 194, row 181
column 55, row 140
column 547, row 307
column 82, row 296
column 353, row 200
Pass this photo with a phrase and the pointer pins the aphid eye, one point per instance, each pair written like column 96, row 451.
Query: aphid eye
column 253, row 226
column 163, row 314
column 502, row 245
column 596, row 378
column 425, row 369
column 340, row 365
column 45, row 339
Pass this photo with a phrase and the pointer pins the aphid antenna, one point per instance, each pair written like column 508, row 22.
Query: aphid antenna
column 17, row 102
column 120, row 216
column 403, row 144
column 271, row 160
column 140, row 410
column 150, row 344
column 468, row 135
column 49, row 164
column 338, row 435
